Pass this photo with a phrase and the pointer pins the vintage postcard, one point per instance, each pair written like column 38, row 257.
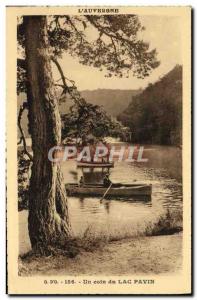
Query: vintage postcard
column 99, row 150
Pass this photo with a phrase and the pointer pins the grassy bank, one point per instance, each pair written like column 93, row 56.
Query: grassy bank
column 156, row 250
column 142, row 255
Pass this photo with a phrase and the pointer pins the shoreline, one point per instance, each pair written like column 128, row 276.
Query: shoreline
column 140, row 255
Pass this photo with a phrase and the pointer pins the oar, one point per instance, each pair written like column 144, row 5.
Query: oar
column 106, row 191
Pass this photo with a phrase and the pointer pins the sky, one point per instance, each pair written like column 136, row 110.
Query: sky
column 162, row 33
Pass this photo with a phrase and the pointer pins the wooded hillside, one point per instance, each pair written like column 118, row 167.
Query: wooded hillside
column 155, row 115
column 113, row 101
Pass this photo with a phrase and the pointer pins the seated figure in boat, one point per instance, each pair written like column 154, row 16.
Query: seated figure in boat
column 81, row 181
column 106, row 180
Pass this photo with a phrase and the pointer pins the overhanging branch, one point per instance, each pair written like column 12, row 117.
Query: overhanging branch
column 107, row 31
column 60, row 70
column 71, row 90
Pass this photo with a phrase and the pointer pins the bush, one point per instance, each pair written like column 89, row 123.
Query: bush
column 169, row 223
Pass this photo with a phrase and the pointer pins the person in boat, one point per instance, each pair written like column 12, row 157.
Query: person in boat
column 106, row 180
column 106, row 158
column 81, row 181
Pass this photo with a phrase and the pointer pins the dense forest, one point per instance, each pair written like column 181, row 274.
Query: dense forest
column 155, row 115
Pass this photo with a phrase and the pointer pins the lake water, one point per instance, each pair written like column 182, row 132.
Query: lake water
column 117, row 217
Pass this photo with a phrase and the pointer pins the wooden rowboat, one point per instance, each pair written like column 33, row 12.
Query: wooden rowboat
column 116, row 190
column 82, row 164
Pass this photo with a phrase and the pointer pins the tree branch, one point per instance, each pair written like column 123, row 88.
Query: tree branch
column 71, row 90
column 22, row 138
column 116, row 52
column 80, row 34
column 104, row 30
column 60, row 70
column 97, row 26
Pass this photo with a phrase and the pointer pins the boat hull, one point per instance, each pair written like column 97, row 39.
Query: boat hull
column 115, row 191
column 95, row 164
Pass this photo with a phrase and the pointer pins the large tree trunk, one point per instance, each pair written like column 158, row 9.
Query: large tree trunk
column 48, row 214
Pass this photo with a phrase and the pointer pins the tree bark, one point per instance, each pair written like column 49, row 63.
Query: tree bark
column 48, row 220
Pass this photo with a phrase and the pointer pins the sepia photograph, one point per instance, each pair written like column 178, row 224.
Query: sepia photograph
column 99, row 150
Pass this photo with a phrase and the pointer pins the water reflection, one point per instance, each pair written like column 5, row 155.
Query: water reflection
column 107, row 206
